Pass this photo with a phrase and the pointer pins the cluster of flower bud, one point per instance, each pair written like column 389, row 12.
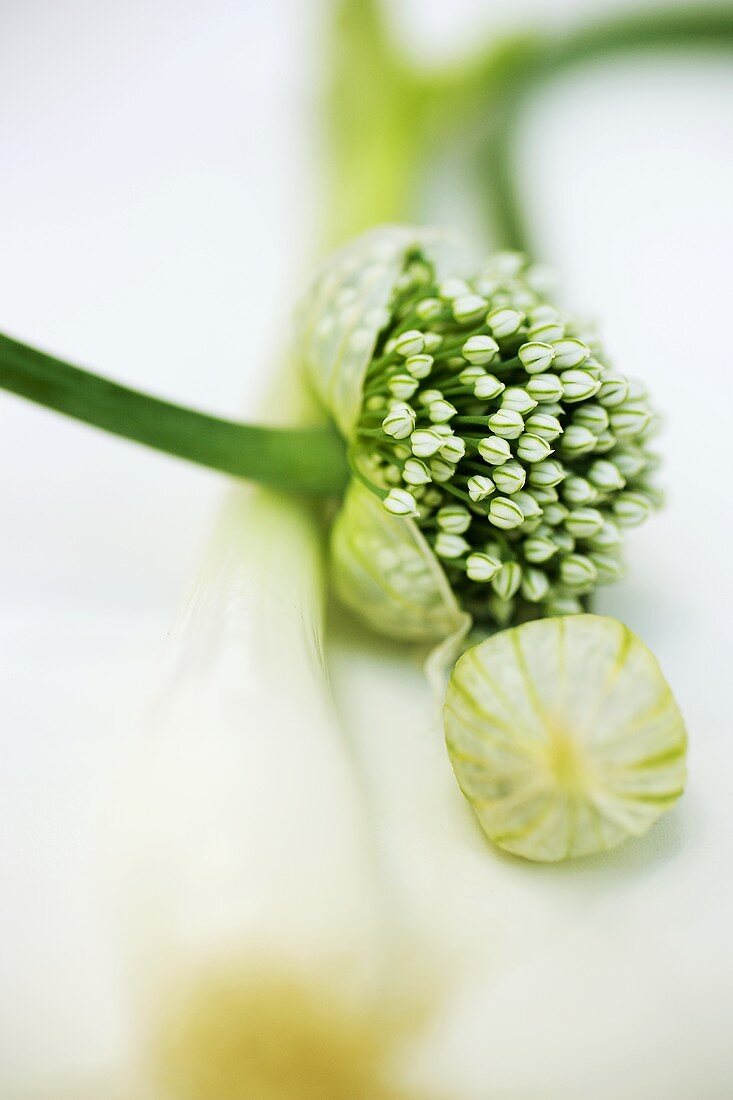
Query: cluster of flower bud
column 491, row 420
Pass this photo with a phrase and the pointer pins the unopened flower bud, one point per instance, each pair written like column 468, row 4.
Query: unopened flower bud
column 561, row 604
column 546, row 474
column 415, row 472
column 505, row 514
column 545, row 425
column 591, row 416
column 584, row 523
column 544, row 387
column 454, row 518
column 470, row 375
column 614, row 391
column 563, row 540
column 547, row 331
column 480, row 349
column 487, row 387
column 502, row 611
column 528, row 504
column 468, row 308
column 507, row 580
column 402, row 386
column 450, row 289
column 419, row 366
column 518, row 399
column 578, row 385
column 450, row 546
column 605, row 476
column 570, row 353
column 631, row 508
column 607, row 538
column 400, row 503
column 441, row 471
column 608, row 567
column 539, row 548
column 428, row 309
column 506, row 423
column 504, row 322
column 409, row 343
column 531, row 448
column 399, row 421
column 576, row 441
column 555, row 514
column 630, row 461
column 510, row 477
column 536, row 356
column 440, row 412
column 578, row 571
column 479, row 488
column 578, row 490
column 453, row 450
column 494, row 450
column 535, row 585
column 482, row 567
column 426, row 442
column 630, row 420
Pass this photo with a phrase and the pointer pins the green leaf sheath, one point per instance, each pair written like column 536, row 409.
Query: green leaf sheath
column 300, row 460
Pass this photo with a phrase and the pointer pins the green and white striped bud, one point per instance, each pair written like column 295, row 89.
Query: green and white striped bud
column 450, row 546
column 481, row 568
column 399, row 421
column 494, row 450
column 631, row 509
column 426, row 442
column 607, row 538
column 584, row 523
column 608, row 567
column 450, row 289
column 399, row 502
column 570, row 353
column 576, row 441
column 528, row 504
column 441, row 411
column 409, row 343
column 518, row 400
column 507, row 580
column 505, row 514
column 510, row 477
column 480, row 350
column 480, row 487
column 441, row 471
column 535, row 585
column 578, row 572
column 591, row 416
column 579, row 491
column 402, row 386
column 415, row 472
column 470, row 375
column 539, row 549
column 419, row 366
column 614, row 391
column 545, row 425
column 506, row 423
column 487, row 387
column 546, row 474
column 544, row 387
column 505, row 322
column 536, row 357
column 453, row 518
column 468, row 308
column 453, row 449
column 630, row 461
column 605, row 476
column 630, row 420
column 428, row 309
column 555, row 514
column 578, row 385
column 531, row 448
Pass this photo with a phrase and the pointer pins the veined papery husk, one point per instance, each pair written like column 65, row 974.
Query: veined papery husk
column 261, row 949
column 381, row 565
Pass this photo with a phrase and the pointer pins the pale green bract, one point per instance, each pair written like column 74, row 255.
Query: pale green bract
column 564, row 736
column 382, row 567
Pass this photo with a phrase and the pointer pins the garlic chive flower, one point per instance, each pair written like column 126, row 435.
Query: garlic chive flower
column 493, row 425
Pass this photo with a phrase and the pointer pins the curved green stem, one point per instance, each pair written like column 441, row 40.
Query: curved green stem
column 709, row 28
column 300, row 460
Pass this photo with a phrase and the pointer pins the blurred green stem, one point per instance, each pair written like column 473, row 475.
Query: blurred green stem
column 387, row 118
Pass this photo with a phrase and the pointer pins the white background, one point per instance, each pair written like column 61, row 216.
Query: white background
column 157, row 182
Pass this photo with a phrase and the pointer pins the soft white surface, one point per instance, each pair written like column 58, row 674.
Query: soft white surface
column 154, row 217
